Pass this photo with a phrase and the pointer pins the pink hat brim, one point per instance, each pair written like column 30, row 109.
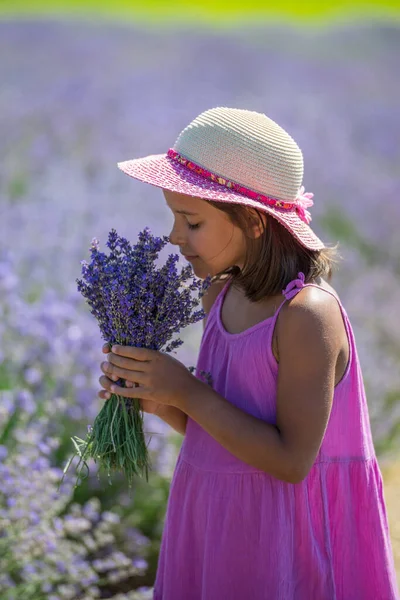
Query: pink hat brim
column 163, row 172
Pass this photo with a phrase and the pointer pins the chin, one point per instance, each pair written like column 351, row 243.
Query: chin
column 201, row 271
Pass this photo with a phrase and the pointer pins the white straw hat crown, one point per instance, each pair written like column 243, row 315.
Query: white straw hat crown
column 245, row 147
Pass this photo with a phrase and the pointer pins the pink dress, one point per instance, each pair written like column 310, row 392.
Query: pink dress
column 233, row 532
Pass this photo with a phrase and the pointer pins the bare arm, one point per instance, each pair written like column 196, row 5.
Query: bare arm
column 175, row 417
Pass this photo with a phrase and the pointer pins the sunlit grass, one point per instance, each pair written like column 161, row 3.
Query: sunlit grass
column 391, row 478
column 220, row 14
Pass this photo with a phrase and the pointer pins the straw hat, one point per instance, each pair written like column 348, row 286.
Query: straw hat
column 238, row 156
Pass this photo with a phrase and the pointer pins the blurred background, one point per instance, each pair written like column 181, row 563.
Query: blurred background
column 84, row 85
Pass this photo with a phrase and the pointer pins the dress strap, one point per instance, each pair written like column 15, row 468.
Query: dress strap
column 290, row 291
column 294, row 287
column 298, row 284
column 217, row 304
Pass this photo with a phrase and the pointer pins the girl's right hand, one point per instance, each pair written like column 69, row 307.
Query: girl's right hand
column 148, row 406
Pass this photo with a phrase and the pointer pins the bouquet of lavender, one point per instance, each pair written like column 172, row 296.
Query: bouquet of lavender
column 136, row 304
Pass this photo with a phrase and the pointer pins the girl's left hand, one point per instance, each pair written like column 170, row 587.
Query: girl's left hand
column 161, row 377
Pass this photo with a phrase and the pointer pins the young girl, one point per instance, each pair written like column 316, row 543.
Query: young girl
column 277, row 493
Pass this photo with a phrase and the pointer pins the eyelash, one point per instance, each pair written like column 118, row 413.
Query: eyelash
column 196, row 226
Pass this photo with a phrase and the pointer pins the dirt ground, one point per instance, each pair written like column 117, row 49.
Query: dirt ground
column 391, row 479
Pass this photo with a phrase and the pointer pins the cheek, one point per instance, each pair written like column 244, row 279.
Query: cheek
column 213, row 246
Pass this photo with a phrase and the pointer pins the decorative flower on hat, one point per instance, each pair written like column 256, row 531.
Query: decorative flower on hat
column 303, row 201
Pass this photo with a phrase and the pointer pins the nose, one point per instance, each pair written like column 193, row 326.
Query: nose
column 175, row 238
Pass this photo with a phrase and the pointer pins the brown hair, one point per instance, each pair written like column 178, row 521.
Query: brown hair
column 275, row 257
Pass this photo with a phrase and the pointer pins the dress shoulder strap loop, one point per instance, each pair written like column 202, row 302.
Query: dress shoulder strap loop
column 294, row 286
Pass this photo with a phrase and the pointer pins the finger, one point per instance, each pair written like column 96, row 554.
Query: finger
column 111, row 375
column 142, row 354
column 129, row 364
column 114, row 372
column 106, row 348
column 135, row 392
column 104, row 394
column 107, row 384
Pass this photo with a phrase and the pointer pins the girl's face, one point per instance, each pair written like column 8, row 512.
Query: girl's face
column 205, row 235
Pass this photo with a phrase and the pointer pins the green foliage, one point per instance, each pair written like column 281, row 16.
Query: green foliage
column 17, row 187
column 6, row 379
column 216, row 13
column 390, row 442
column 341, row 227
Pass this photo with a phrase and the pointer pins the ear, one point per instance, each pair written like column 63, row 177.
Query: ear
column 258, row 224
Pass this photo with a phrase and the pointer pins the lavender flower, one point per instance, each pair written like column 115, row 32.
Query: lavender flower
column 50, row 547
column 135, row 304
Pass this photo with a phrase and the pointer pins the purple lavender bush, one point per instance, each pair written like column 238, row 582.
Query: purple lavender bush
column 135, row 304
column 48, row 379
column 50, row 547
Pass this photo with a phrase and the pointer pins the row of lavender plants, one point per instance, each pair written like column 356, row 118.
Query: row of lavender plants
column 75, row 99
column 76, row 542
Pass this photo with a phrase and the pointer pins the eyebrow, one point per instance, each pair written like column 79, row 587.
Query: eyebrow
column 185, row 212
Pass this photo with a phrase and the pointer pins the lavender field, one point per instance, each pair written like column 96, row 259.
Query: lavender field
column 76, row 98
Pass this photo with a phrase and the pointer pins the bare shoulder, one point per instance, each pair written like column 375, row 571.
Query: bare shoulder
column 210, row 296
column 315, row 299
column 314, row 310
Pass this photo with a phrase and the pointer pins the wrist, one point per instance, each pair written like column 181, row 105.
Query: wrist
column 189, row 395
column 162, row 410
